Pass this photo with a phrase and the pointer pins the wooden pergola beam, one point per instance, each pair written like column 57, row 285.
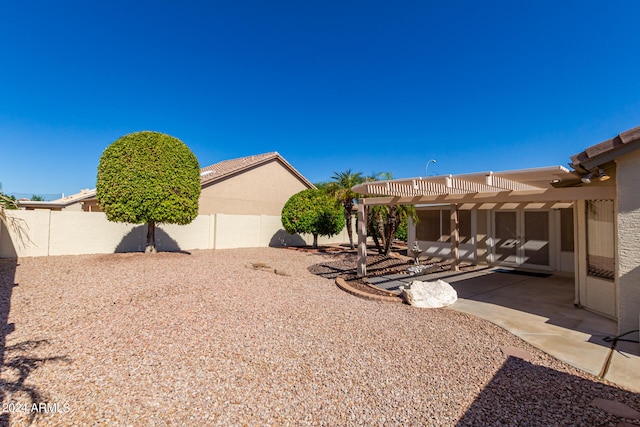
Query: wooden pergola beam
column 546, row 195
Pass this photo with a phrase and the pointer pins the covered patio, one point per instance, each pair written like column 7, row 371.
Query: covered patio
column 539, row 189
column 528, row 189
column 534, row 219
column 583, row 223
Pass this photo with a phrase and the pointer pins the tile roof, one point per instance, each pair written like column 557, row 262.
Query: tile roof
column 226, row 168
column 83, row 194
column 606, row 151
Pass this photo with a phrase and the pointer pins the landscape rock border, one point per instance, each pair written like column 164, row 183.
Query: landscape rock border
column 342, row 284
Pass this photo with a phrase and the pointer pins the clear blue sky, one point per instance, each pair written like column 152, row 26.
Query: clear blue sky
column 372, row 86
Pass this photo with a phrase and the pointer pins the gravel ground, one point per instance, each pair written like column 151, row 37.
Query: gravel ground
column 217, row 338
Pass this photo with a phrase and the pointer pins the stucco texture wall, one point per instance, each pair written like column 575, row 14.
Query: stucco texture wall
column 262, row 190
column 24, row 236
column 43, row 233
column 628, row 255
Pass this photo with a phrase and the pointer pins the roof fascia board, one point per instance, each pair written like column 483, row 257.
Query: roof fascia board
column 42, row 205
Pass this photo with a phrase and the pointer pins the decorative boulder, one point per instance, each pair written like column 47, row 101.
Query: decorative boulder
column 429, row 294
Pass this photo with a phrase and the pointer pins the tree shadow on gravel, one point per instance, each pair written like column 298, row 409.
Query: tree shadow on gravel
column 15, row 362
column 7, row 283
column 283, row 239
column 524, row 394
column 18, row 366
column 136, row 239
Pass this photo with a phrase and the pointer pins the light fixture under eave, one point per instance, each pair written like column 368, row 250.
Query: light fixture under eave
column 587, row 178
column 603, row 175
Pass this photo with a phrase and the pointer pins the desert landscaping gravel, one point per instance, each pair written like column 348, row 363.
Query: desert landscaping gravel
column 218, row 338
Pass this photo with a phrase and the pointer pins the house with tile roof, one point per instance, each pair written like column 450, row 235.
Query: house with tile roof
column 582, row 222
column 239, row 207
column 84, row 200
column 253, row 185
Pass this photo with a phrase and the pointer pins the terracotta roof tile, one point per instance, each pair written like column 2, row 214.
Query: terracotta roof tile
column 606, row 150
column 226, row 168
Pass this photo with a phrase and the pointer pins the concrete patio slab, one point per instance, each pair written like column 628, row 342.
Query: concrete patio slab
column 540, row 310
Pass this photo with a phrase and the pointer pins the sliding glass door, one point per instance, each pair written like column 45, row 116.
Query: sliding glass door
column 521, row 238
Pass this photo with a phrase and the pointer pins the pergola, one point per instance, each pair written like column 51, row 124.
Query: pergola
column 551, row 187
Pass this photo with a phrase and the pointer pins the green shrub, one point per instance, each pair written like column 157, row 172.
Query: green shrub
column 312, row 211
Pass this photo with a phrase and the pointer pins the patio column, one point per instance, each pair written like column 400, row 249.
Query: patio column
column 455, row 237
column 362, row 238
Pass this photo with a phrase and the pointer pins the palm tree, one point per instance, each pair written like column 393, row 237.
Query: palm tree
column 11, row 223
column 5, row 203
column 377, row 216
column 375, row 225
column 384, row 220
column 341, row 189
column 395, row 216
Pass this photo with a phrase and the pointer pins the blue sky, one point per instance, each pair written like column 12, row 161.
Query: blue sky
column 370, row 86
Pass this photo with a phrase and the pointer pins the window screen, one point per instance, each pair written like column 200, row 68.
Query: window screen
column 566, row 230
column 428, row 228
column 600, row 239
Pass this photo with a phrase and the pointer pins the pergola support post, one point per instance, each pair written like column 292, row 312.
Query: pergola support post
column 455, row 238
column 362, row 239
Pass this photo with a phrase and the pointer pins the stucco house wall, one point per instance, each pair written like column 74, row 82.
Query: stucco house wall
column 262, row 190
column 628, row 253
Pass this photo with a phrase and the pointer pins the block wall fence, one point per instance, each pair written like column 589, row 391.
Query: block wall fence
column 50, row 233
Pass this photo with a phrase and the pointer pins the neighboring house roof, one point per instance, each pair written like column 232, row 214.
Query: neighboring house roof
column 61, row 202
column 606, row 151
column 228, row 168
column 208, row 175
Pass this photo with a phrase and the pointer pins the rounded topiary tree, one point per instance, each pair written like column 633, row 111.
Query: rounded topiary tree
column 148, row 177
column 312, row 211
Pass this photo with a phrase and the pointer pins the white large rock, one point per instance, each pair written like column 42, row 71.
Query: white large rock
column 429, row 294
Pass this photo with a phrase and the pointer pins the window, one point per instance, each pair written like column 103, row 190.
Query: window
column 566, row 230
column 464, row 219
column 435, row 225
column 428, row 227
column 600, row 239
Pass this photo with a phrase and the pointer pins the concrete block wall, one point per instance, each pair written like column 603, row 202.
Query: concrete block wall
column 44, row 232
column 26, row 234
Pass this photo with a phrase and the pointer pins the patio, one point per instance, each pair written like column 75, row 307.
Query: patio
column 539, row 309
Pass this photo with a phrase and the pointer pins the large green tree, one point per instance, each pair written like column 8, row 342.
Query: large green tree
column 149, row 177
column 341, row 189
column 314, row 212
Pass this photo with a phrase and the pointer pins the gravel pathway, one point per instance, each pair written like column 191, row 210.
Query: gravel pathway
column 217, row 338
